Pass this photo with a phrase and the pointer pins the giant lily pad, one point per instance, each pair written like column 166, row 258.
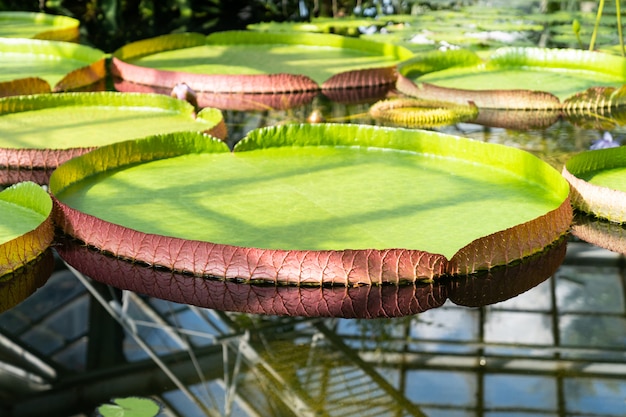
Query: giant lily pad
column 26, row 233
column 532, row 71
column 61, row 65
column 258, row 62
column 38, row 132
column 598, row 182
column 313, row 204
column 366, row 301
column 38, row 26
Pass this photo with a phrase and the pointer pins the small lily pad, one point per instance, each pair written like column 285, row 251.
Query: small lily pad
column 38, row 26
column 258, row 62
column 130, row 407
column 314, row 204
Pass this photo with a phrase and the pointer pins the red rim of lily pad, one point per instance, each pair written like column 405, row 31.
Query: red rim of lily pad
column 88, row 66
column 596, row 179
column 454, row 79
column 30, row 163
column 600, row 232
column 264, row 83
column 488, row 287
column 349, row 267
column 226, row 101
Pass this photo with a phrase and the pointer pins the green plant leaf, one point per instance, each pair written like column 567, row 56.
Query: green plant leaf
column 561, row 72
column 313, row 192
column 409, row 112
column 38, row 26
column 62, row 65
column 25, row 226
column 259, row 61
column 69, row 124
column 130, row 407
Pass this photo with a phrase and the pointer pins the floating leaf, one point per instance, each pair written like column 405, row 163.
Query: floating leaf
column 409, row 112
column 558, row 72
column 313, row 204
column 64, row 66
column 38, row 26
column 258, row 62
column 130, row 407
column 70, row 124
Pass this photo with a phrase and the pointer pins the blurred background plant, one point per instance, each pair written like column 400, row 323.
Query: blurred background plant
column 109, row 24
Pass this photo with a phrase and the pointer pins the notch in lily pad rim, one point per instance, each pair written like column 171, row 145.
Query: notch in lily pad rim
column 313, row 267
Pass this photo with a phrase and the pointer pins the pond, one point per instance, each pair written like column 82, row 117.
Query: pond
column 544, row 340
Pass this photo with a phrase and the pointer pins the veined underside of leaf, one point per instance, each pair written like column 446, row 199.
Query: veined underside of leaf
column 597, row 107
column 32, row 85
column 26, row 229
column 311, row 264
column 409, row 112
column 487, row 287
column 258, row 62
column 227, row 101
column 487, row 99
column 63, row 65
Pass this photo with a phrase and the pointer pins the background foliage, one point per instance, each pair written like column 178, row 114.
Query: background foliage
column 109, row 24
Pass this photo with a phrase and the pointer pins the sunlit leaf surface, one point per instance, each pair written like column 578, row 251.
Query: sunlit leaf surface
column 63, row 65
column 309, row 188
column 318, row 57
column 38, row 26
column 560, row 72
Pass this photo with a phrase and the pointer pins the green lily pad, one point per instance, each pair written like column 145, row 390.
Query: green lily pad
column 598, row 183
column 560, row 72
column 258, row 62
column 38, row 132
column 38, row 26
column 63, row 65
column 25, row 226
column 314, row 204
column 130, row 407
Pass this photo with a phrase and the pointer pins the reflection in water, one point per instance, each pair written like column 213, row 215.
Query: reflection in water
column 21, row 283
column 600, row 232
column 367, row 301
